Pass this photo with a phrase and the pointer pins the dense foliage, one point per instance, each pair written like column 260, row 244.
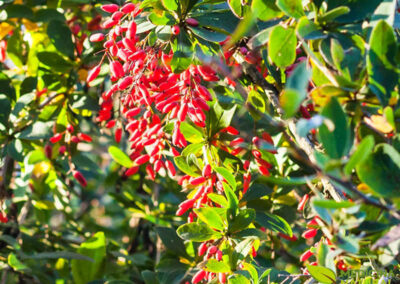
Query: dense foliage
column 199, row 141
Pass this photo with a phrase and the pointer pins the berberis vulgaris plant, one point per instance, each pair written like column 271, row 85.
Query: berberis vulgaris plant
column 199, row 141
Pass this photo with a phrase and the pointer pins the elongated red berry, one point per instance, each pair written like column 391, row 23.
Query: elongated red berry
column 306, row 255
column 93, row 73
column 171, row 168
column 125, row 83
column 142, row 159
column 56, row 137
column 303, row 202
column 116, row 69
column 133, row 112
column 110, row 8
column 48, row 151
column 96, row 37
column 222, row 277
column 84, row 137
column 206, row 171
column 197, row 181
column 199, row 276
column 192, row 22
column 202, row 249
column 286, row 237
column 128, row 8
column 185, row 206
column 118, row 135
column 131, row 171
column 80, row 178
column 311, row 233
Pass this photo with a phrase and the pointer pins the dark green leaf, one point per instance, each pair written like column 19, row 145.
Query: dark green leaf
column 242, row 220
column 274, row 223
column 19, row 11
column 54, row 61
column 381, row 170
column 171, row 240
column 36, row 131
column 362, row 152
column 336, row 142
column 381, row 62
column 197, row 232
column 61, row 36
column 84, row 271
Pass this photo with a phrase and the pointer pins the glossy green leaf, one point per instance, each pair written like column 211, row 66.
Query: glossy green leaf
column 322, row 274
column 308, row 30
column 242, row 220
column 84, row 271
column 337, row 141
column 274, row 223
column 216, row 266
column 282, row 46
column 265, row 9
column 381, row 62
column 61, row 36
column 197, row 232
column 120, row 157
column 210, row 216
column 171, row 240
column 363, row 150
column 228, row 176
column 292, row 8
column 381, row 170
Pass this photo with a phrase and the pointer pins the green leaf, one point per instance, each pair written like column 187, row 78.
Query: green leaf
column 171, row 240
column 219, row 199
column 15, row 48
column 47, row 15
column 55, row 61
column 237, row 8
column 381, row 62
column 322, row 274
column 61, row 36
column 304, row 126
column 265, row 9
column 209, row 34
column 219, row 118
column 216, row 266
column 299, row 79
column 385, row 11
column 171, row 5
column 228, row 176
column 5, row 109
column 149, row 277
column 16, row 264
column 197, row 232
column 191, row 133
column 282, row 46
column 336, row 142
column 36, row 131
column 252, row 233
column 57, row 255
column 333, row 14
column 362, row 152
column 292, row 8
column 290, row 101
column 242, row 220
column 84, row 271
column 183, row 53
column 287, row 180
column 238, row 279
column 381, row 170
column 274, row 223
column 222, row 20
column 19, row 11
column 120, row 157
column 242, row 249
column 308, row 30
column 332, row 204
column 182, row 164
column 233, row 201
column 257, row 101
column 256, row 191
column 210, row 216
column 161, row 20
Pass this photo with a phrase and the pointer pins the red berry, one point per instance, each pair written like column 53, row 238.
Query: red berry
column 192, row 22
column 80, row 178
column 199, row 276
column 306, row 255
column 175, row 30
column 311, row 233
column 56, row 137
column 84, row 137
column 142, row 159
column 110, row 8
column 303, row 202
column 93, row 73
column 96, row 37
